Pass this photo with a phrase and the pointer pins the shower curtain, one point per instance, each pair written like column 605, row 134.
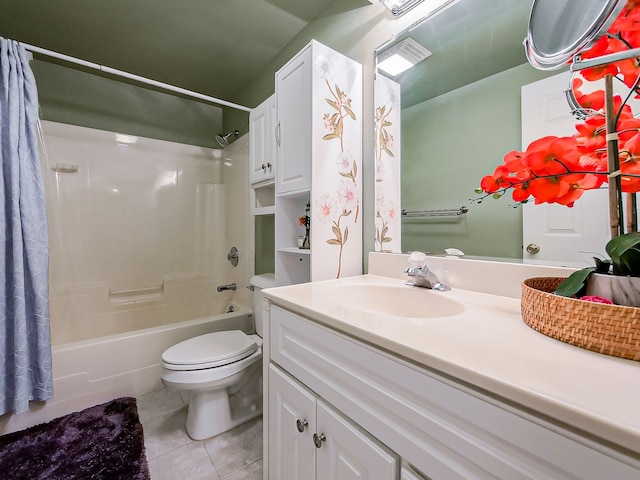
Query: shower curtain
column 25, row 347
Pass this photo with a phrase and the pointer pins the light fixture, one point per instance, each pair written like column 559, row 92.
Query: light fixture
column 400, row 7
column 402, row 56
column 124, row 140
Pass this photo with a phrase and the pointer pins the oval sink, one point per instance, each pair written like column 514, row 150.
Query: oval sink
column 397, row 301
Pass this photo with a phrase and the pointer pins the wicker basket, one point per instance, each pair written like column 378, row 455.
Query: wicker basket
column 609, row 329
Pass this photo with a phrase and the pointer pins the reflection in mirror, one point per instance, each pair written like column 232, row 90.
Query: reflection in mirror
column 459, row 113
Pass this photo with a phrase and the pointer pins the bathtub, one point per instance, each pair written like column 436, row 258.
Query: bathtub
column 90, row 372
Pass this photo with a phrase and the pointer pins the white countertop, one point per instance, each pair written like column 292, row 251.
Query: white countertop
column 489, row 346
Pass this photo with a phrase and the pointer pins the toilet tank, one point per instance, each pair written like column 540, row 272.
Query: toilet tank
column 265, row 280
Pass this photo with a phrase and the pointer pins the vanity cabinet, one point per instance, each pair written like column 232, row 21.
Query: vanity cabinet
column 310, row 440
column 437, row 426
column 319, row 158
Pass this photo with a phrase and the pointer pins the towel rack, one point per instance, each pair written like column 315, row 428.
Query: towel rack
column 435, row 213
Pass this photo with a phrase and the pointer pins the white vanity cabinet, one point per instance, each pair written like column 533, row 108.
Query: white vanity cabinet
column 436, row 425
column 309, row 440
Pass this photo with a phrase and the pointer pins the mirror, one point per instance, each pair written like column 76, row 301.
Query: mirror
column 460, row 114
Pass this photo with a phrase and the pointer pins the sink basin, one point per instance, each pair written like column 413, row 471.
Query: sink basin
column 397, row 301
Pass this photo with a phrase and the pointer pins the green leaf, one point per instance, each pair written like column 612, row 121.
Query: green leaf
column 624, row 251
column 575, row 283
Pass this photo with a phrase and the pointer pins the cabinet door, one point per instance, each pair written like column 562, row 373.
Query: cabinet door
column 347, row 452
column 407, row 473
column 293, row 129
column 261, row 138
column 291, row 408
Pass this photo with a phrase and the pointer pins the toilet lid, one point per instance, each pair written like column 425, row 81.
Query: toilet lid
column 210, row 350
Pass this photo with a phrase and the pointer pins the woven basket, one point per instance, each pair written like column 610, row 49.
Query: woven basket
column 609, row 329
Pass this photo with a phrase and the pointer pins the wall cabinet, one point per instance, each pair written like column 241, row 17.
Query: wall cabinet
column 319, row 152
column 262, row 157
column 434, row 424
column 262, row 154
column 311, row 440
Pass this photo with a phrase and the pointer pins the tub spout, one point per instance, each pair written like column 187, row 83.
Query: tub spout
column 222, row 288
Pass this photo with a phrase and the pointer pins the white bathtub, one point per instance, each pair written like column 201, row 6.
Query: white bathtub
column 93, row 371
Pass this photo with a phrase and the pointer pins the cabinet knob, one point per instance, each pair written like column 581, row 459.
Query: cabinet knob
column 264, row 167
column 301, row 425
column 318, row 439
column 532, row 248
column 269, row 165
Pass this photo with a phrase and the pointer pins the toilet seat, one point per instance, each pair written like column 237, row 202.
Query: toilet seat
column 209, row 351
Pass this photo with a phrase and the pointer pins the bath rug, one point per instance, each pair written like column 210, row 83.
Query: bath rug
column 104, row 442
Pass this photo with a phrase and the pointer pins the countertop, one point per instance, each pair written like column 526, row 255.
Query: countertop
column 490, row 347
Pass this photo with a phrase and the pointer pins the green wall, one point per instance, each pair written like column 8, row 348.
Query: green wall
column 91, row 99
column 448, row 144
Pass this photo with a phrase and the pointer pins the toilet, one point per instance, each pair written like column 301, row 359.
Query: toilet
column 221, row 372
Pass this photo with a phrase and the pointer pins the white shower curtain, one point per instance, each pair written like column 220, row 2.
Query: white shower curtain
column 25, row 347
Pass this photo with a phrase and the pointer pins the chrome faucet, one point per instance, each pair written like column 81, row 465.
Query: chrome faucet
column 222, row 288
column 419, row 273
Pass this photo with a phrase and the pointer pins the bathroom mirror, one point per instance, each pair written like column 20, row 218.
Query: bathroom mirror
column 460, row 114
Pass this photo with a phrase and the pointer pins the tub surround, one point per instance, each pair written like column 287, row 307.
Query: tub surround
column 487, row 347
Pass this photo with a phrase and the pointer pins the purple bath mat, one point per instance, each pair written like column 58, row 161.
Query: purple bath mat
column 104, row 442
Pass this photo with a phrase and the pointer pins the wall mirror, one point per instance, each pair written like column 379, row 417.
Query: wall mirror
column 460, row 113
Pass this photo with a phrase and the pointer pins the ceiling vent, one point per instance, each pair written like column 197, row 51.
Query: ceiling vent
column 402, row 56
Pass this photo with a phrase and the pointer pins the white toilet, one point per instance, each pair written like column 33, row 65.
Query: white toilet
column 221, row 371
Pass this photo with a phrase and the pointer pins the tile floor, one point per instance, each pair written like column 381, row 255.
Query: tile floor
column 172, row 455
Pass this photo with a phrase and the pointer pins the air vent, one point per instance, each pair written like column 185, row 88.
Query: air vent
column 402, row 56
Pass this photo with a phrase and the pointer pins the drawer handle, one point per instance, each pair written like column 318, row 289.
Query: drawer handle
column 301, row 425
column 318, row 439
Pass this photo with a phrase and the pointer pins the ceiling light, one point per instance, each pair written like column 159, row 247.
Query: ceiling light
column 400, row 7
column 122, row 139
column 402, row 56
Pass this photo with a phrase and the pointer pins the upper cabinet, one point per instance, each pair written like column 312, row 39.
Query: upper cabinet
column 294, row 122
column 262, row 155
column 262, row 136
column 318, row 136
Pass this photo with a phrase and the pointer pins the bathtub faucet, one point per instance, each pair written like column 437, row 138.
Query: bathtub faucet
column 230, row 286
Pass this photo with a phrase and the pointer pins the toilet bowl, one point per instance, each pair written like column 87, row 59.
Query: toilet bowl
column 221, row 372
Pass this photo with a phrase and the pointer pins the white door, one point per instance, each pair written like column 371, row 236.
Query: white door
column 292, row 417
column 347, row 453
column 554, row 234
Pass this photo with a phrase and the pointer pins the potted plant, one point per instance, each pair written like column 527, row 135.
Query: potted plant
column 615, row 280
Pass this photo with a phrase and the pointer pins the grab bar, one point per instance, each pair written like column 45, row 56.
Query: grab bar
column 434, row 213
